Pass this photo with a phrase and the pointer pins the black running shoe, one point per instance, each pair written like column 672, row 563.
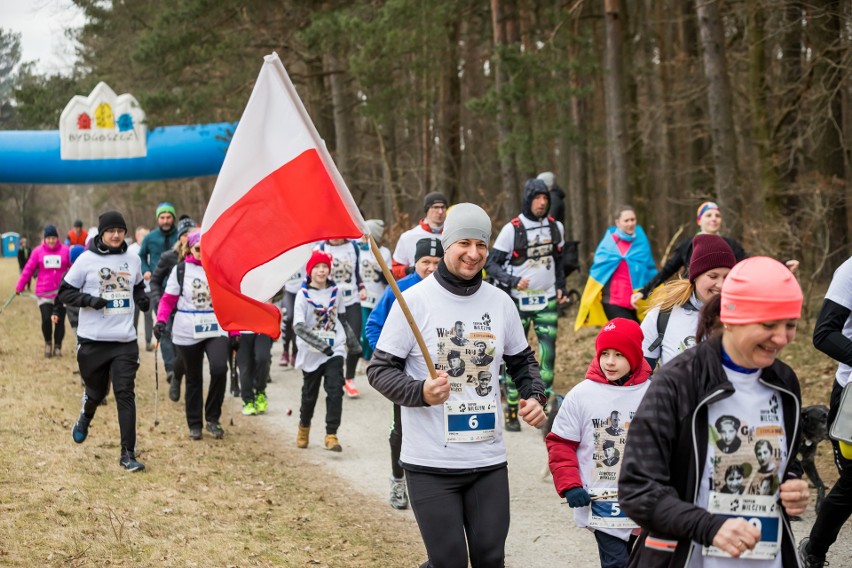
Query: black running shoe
column 195, row 433
column 128, row 461
column 81, row 428
column 809, row 560
column 216, row 429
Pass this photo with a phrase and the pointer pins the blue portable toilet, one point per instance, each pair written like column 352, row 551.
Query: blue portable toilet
column 11, row 242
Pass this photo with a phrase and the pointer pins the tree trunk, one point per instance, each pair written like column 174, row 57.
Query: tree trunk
column 342, row 124
column 617, row 188
column 449, row 125
column 508, row 173
column 758, row 90
column 720, row 103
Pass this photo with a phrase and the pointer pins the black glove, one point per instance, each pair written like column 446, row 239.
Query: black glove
column 159, row 329
column 97, row 302
column 234, row 342
column 143, row 303
column 577, row 497
column 328, row 351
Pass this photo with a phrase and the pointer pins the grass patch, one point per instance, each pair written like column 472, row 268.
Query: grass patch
column 247, row 500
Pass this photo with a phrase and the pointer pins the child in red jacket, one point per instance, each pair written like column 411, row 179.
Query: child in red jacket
column 586, row 445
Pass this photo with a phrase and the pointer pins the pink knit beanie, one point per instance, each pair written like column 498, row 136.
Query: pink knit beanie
column 760, row 289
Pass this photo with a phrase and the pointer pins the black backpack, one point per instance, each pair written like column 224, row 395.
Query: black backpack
column 520, row 247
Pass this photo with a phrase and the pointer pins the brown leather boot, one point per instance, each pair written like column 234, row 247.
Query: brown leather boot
column 332, row 443
column 302, row 436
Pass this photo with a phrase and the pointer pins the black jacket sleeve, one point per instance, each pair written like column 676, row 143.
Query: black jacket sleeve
column 301, row 330
column 673, row 265
column 386, row 374
column 525, row 373
column 141, row 298
column 168, row 260
column 828, row 332
column 494, row 267
column 646, row 488
column 71, row 296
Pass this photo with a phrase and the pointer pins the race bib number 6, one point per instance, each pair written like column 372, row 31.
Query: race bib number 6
column 470, row 420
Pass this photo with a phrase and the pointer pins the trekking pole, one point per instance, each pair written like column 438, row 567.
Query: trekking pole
column 156, row 382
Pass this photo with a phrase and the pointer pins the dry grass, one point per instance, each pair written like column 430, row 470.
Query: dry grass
column 245, row 501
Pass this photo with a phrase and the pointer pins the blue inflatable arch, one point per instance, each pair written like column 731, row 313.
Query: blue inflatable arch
column 33, row 157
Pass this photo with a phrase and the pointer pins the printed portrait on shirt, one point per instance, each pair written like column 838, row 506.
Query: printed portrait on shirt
column 610, row 436
column 462, row 347
column 370, row 272
column 342, row 271
column 113, row 281
column 727, row 429
column 201, row 295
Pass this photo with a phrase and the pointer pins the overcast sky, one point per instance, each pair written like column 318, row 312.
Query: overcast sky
column 42, row 25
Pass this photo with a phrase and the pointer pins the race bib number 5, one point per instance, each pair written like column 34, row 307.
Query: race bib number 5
column 606, row 513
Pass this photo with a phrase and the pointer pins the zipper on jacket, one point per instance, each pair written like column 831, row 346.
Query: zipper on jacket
column 791, row 441
column 707, row 400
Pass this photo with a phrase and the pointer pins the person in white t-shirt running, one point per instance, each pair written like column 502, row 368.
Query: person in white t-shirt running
column 452, row 444
column 435, row 207
column 587, row 441
column 106, row 283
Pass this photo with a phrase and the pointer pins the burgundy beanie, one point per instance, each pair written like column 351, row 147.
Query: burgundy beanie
column 760, row 289
column 709, row 252
column 318, row 257
column 625, row 336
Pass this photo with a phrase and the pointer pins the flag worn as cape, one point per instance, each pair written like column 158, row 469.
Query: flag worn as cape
column 640, row 261
column 278, row 192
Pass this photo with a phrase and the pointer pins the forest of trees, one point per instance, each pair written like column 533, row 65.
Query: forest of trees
column 658, row 103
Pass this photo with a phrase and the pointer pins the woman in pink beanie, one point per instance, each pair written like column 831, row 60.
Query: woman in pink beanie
column 712, row 410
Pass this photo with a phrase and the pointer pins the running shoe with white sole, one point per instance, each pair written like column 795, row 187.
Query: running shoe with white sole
column 350, row 389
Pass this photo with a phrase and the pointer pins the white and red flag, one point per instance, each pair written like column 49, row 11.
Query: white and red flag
column 278, row 193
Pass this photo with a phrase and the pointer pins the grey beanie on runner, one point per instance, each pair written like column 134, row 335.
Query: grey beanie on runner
column 548, row 178
column 466, row 221
column 377, row 228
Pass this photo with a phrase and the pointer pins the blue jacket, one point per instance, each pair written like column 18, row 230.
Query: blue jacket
column 154, row 244
column 379, row 315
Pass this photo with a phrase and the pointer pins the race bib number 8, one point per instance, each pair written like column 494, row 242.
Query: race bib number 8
column 204, row 326
column 470, row 421
column 118, row 303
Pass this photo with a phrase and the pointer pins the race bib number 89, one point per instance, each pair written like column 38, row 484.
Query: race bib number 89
column 118, row 303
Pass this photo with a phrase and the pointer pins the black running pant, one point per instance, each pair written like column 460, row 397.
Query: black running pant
column 395, row 440
column 216, row 349
column 51, row 335
column 332, row 370
column 353, row 318
column 612, row 311
column 449, row 508
column 837, row 505
column 100, row 362
column 253, row 359
column 288, row 336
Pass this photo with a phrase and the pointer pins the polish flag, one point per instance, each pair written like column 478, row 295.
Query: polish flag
column 277, row 194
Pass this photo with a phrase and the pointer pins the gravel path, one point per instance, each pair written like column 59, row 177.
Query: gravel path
column 542, row 531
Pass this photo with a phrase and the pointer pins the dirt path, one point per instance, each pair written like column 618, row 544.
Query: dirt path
column 542, row 531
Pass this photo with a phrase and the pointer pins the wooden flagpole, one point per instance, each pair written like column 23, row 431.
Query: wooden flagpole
column 401, row 301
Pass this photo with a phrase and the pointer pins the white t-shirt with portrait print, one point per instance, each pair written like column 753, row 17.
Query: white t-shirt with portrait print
column 746, row 455
column 307, row 358
column 466, row 431
column 598, row 416
column 195, row 319
column 840, row 292
column 112, row 277
column 371, row 275
column 343, row 267
column 541, row 271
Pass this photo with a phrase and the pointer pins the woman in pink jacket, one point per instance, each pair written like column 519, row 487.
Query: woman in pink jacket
column 52, row 262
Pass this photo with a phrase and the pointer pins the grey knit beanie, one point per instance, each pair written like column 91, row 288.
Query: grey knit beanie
column 466, row 221
column 548, row 178
column 377, row 228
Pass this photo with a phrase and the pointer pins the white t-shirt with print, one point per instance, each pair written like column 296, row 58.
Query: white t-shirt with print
column 541, row 272
column 371, row 275
column 467, row 337
column 679, row 333
column 740, row 469
column 406, row 245
column 309, row 359
column 112, row 277
column 344, row 264
column 598, row 416
column 195, row 319
column 840, row 292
